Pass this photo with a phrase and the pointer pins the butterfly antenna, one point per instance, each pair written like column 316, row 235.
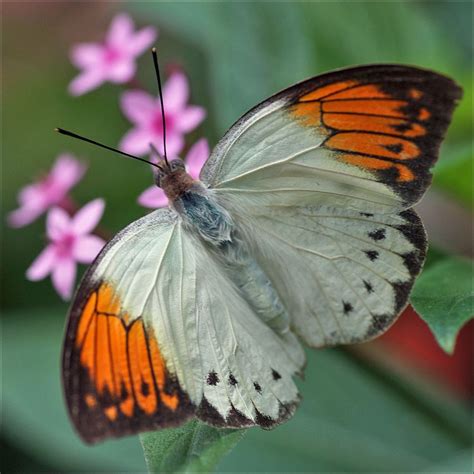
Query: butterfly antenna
column 79, row 137
column 157, row 153
column 158, row 78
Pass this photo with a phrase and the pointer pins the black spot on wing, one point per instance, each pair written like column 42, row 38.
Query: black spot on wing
column 275, row 375
column 366, row 214
column 257, row 387
column 347, row 307
column 394, row 148
column 372, row 254
column 145, row 389
column 212, row 378
column 402, row 127
column 368, row 286
column 232, row 380
column 123, row 391
column 378, row 234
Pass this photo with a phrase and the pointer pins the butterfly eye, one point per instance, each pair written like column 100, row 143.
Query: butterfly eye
column 176, row 165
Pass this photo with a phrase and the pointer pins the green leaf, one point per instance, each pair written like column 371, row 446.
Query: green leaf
column 454, row 174
column 444, row 297
column 193, row 447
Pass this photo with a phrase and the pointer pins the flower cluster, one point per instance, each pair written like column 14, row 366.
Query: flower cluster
column 69, row 229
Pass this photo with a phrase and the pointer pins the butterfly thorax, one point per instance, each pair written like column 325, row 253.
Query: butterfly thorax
column 203, row 214
column 176, row 183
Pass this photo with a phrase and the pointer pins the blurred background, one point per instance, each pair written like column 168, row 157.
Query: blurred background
column 398, row 404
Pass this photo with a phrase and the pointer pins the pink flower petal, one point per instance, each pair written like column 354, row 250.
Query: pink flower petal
column 87, row 247
column 138, row 106
column 42, row 265
column 85, row 55
column 142, row 40
column 86, row 219
column 137, row 141
column 24, row 215
column 86, row 81
column 120, row 30
column 121, row 71
column 29, row 194
column 174, row 145
column 153, row 197
column 189, row 118
column 63, row 277
column 196, row 157
column 175, row 93
column 57, row 223
column 67, row 171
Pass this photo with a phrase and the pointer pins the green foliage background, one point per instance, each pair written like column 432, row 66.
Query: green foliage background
column 354, row 417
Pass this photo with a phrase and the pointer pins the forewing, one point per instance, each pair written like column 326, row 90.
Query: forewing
column 115, row 379
column 364, row 138
column 151, row 341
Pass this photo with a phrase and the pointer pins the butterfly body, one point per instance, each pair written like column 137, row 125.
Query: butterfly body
column 300, row 230
column 204, row 216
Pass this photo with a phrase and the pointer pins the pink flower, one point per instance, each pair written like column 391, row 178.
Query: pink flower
column 154, row 196
column 36, row 198
column 114, row 59
column 70, row 241
column 144, row 111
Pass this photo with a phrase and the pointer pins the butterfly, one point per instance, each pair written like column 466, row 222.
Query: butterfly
column 299, row 232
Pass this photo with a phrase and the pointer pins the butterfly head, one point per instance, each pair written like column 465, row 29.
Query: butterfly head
column 172, row 178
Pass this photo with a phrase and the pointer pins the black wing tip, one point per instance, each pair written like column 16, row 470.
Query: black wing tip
column 93, row 430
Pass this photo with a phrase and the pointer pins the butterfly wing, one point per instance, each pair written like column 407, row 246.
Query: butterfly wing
column 318, row 179
column 363, row 138
column 150, row 341
column 343, row 276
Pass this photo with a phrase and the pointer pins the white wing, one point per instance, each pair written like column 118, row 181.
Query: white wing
column 343, row 276
column 316, row 179
column 221, row 361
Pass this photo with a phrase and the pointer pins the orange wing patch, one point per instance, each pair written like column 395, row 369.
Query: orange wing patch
column 125, row 374
column 370, row 123
column 369, row 91
column 382, row 146
column 325, row 91
column 309, row 113
column 367, row 125
column 383, row 107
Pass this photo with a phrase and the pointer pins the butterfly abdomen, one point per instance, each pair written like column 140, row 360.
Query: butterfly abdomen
column 254, row 285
